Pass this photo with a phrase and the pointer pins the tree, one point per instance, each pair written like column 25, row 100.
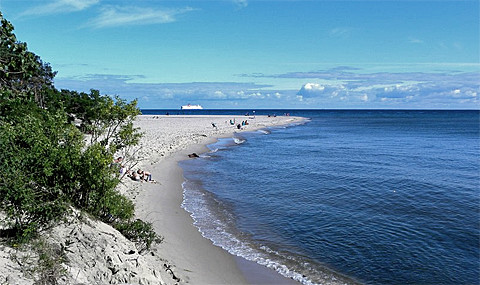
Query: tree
column 22, row 72
column 40, row 152
column 46, row 167
column 108, row 121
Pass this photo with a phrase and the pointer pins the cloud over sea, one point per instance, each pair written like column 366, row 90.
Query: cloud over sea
column 341, row 87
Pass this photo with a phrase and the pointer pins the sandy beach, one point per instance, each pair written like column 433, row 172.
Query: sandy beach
column 99, row 254
column 191, row 258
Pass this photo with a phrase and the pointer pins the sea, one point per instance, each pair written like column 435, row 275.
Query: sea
column 346, row 197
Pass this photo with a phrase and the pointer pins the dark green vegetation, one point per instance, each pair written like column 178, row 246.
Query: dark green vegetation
column 47, row 164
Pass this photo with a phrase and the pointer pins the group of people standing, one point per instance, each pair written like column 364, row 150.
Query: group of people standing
column 239, row 126
column 244, row 123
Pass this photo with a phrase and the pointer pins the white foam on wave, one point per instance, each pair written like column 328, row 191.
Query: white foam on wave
column 239, row 248
column 208, row 154
column 266, row 132
column 239, row 140
column 212, row 228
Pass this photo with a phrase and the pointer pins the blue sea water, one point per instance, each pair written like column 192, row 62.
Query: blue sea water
column 373, row 197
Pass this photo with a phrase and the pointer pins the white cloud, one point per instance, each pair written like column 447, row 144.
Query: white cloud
column 309, row 90
column 457, row 46
column 313, row 86
column 241, row 3
column 472, row 93
column 60, row 6
column 413, row 40
column 442, row 90
column 465, row 94
column 256, row 95
column 219, row 94
column 400, row 88
column 113, row 16
column 340, row 32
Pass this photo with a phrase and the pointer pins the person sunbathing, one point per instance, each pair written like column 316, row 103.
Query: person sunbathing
column 134, row 175
column 144, row 175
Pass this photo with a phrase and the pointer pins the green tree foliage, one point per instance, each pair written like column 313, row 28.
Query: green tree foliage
column 21, row 71
column 46, row 166
column 108, row 121
column 139, row 232
column 97, row 193
column 39, row 153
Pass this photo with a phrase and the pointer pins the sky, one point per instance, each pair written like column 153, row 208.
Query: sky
column 241, row 54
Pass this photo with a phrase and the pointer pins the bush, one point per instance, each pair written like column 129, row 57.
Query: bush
column 41, row 261
column 46, row 165
column 46, row 168
column 38, row 149
column 115, row 207
column 140, row 232
column 49, row 269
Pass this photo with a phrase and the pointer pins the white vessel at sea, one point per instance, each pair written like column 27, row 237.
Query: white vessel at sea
column 191, row 107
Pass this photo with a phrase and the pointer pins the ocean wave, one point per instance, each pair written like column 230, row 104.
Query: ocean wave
column 209, row 154
column 216, row 223
column 263, row 131
column 239, row 140
column 397, row 206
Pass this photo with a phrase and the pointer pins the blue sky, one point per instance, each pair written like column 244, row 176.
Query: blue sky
column 260, row 54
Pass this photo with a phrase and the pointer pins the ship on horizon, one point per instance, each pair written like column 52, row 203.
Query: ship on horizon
column 191, row 107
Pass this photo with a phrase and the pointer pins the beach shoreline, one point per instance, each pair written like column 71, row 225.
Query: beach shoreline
column 191, row 257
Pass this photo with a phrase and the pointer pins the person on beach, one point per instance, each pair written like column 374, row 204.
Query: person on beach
column 117, row 164
column 122, row 169
column 133, row 175
column 144, row 175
